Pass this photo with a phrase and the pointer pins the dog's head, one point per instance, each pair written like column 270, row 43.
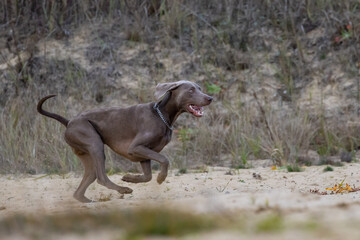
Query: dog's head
column 187, row 96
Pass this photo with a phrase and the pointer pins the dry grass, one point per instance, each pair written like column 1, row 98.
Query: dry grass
column 226, row 37
column 27, row 143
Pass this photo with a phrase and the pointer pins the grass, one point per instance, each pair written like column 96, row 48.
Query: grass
column 272, row 223
column 328, row 169
column 221, row 189
column 131, row 223
column 146, row 223
column 25, row 141
column 182, row 171
column 256, row 114
column 149, row 223
column 294, row 168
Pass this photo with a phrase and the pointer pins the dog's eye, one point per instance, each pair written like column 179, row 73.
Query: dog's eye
column 191, row 90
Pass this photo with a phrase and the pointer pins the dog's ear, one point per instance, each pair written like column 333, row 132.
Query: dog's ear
column 163, row 88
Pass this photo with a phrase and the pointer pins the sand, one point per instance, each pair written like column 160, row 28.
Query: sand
column 212, row 190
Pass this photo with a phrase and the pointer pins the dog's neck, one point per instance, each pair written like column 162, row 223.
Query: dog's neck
column 169, row 108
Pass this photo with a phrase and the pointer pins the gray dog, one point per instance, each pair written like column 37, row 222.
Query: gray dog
column 138, row 133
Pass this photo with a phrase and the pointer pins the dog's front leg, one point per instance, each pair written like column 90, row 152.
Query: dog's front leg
column 146, row 153
column 145, row 177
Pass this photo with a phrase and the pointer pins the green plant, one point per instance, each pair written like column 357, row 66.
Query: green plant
column 255, row 146
column 212, row 88
column 134, row 223
column 328, row 169
column 271, row 223
column 294, row 168
column 182, row 171
column 244, row 157
column 184, row 135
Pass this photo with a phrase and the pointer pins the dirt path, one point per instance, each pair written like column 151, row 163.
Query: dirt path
column 213, row 191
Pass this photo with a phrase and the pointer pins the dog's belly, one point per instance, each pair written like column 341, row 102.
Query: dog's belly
column 121, row 148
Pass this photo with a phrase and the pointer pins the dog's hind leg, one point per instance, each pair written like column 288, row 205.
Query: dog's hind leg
column 88, row 178
column 82, row 136
column 146, row 177
column 97, row 154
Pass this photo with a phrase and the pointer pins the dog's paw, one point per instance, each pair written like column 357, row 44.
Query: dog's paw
column 82, row 198
column 128, row 178
column 125, row 190
column 161, row 178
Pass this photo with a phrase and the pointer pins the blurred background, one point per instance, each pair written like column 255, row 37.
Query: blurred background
column 284, row 74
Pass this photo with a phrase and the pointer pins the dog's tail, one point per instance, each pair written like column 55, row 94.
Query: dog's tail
column 61, row 119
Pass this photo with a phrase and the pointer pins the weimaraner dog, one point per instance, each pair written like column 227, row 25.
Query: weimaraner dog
column 137, row 132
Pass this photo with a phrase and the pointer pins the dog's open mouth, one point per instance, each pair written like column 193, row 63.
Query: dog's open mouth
column 197, row 111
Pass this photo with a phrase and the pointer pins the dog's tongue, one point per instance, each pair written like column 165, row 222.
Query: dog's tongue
column 196, row 110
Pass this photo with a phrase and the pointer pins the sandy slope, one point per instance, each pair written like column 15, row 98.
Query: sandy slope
column 212, row 191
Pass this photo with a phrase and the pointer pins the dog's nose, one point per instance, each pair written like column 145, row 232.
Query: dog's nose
column 210, row 98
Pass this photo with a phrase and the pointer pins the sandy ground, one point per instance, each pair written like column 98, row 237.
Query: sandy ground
column 211, row 191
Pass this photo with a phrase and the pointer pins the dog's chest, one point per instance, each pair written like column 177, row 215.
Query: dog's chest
column 161, row 142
